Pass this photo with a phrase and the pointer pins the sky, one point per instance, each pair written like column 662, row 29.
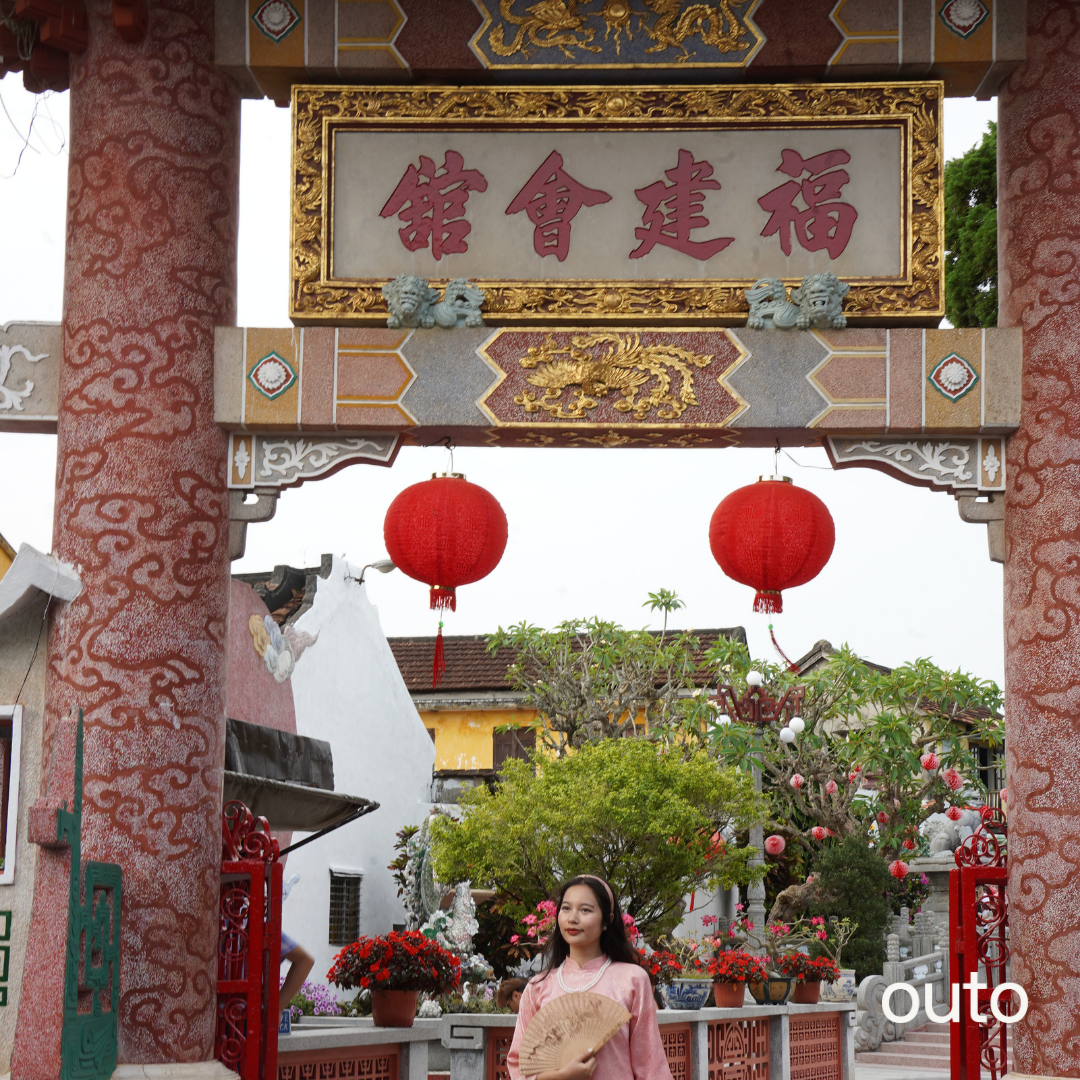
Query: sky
column 591, row 531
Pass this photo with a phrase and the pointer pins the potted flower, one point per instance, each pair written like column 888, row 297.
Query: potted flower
column 809, row 975
column 661, row 965
column 687, row 988
column 731, row 971
column 830, row 939
column 396, row 968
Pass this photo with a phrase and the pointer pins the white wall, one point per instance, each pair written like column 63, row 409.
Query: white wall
column 347, row 689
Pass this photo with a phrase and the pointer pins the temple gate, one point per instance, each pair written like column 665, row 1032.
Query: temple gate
column 177, row 429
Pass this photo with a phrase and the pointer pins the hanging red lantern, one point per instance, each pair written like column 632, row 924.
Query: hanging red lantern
column 445, row 532
column 771, row 536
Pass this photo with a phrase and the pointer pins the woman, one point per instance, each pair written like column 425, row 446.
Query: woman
column 590, row 952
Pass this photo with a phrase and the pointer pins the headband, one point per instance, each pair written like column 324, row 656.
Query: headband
column 607, row 889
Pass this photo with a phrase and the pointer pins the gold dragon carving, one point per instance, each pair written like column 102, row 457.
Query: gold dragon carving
column 603, row 363
column 558, row 24
column 318, row 108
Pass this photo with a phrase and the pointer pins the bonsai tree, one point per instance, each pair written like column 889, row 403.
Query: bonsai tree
column 649, row 821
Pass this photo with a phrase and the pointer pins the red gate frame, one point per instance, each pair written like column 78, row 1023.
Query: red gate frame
column 978, row 921
column 249, row 945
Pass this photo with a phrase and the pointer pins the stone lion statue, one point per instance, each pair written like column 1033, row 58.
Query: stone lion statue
column 821, row 298
column 817, row 302
column 413, row 303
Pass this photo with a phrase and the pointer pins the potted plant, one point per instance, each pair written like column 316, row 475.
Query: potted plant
column 731, row 971
column 396, row 968
column 687, row 987
column 830, row 939
column 809, row 975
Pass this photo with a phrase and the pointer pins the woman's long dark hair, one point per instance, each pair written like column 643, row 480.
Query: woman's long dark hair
column 613, row 939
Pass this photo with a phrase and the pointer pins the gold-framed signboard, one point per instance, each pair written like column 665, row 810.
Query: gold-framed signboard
column 618, row 205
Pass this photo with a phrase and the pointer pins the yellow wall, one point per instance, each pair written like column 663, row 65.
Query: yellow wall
column 463, row 740
column 7, row 556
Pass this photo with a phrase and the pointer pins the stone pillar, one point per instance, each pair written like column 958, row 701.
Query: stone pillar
column 141, row 508
column 1039, row 259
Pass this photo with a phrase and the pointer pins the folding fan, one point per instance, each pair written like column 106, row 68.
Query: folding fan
column 567, row 1027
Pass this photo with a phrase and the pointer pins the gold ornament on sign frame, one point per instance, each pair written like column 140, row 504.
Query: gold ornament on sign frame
column 914, row 296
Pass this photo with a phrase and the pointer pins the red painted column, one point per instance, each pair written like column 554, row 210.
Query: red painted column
column 1039, row 257
column 141, row 508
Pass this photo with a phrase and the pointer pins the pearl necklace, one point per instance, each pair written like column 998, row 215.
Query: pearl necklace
column 588, row 986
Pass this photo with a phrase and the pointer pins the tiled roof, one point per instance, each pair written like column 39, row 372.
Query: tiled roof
column 469, row 665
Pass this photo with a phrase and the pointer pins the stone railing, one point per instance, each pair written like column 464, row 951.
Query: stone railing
column 928, row 967
column 778, row 1041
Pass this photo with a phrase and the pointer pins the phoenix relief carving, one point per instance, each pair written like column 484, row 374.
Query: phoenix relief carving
column 646, row 377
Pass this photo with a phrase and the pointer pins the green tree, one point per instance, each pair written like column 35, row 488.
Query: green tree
column 866, row 730
column 590, row 679
column 971, row 270
column 852, row 882
column 624, row 808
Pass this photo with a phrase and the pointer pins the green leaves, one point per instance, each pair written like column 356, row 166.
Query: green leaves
column 971, row 268
column 643, row 818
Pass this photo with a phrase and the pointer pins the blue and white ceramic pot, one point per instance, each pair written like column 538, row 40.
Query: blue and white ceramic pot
column 687, row 993
column 844, row 989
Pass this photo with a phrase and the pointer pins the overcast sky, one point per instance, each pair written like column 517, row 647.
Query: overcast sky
column 592, row 531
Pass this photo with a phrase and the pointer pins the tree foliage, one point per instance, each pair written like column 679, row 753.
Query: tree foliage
column 644, row 819
column 971, row 271
column 852, row 882
column 590, row 679
column 866, row 730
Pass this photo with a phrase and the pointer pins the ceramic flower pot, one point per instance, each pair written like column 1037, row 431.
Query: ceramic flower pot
column 844, row 989
column 687, row 993
column 728, row 995
column 806, row 993
column 775, row 991
column 393, row 1008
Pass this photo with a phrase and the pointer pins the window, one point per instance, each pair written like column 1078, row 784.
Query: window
column 344, row 907
column 991, row 768
column 515, row 743
column 10, row 739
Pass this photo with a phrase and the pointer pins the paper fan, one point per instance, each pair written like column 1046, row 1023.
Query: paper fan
column 567, row 1027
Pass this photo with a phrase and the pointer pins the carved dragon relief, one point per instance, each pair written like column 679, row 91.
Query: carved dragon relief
column 602, row 363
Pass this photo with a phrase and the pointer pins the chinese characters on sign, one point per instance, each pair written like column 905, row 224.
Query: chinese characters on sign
column 435, row 209
column 432, row 203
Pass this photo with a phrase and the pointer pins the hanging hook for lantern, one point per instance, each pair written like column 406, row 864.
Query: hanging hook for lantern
column 776, row 458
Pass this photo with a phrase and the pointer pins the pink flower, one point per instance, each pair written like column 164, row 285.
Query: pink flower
column 738, row 907
column 822, row 935
column 929, row 761
column 831, row 788
column 818, row 920
column 809, row 878
column 709, row 920
column 796, row 781
column 1005, row 796
column 898, row 869
column 953, row 779
column 530, row 919
column 954, row 813
column 818, row 832
column 774, row 845
column 514, row 939
column 882, row 817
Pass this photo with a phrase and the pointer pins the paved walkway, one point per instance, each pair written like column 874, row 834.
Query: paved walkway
column 873, row 1072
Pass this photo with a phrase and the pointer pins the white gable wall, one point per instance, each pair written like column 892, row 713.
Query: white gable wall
column 347, row 690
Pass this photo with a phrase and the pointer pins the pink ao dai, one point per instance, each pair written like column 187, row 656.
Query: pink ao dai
column 636, row 1052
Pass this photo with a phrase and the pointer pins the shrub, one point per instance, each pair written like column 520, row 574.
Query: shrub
column 662, row 966
column 911, row 892
column 799, row 966
column 736, row 966
column 402, row 960
column 853, row 881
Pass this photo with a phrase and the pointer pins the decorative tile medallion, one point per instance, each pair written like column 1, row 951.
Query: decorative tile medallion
column 963, row 17
column 954, row 376
column 272, row 375
column 277, row 19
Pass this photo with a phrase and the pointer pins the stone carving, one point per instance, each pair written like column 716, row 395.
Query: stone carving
column 946, row 836
column 291, row 460
column 413, row 303
column 13, row 399
column 946, row 464
column 872, row 1027
column 279, row 649
column 817, row 302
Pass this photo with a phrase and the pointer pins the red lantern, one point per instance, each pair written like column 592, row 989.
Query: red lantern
column 899, row 869
column 774, row 845
column 445, row 532
column 771, row 536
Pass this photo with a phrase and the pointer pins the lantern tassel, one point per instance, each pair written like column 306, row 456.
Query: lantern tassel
column 787, row 659
column 768, row 601
column 438, row 663
column 443, row 598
